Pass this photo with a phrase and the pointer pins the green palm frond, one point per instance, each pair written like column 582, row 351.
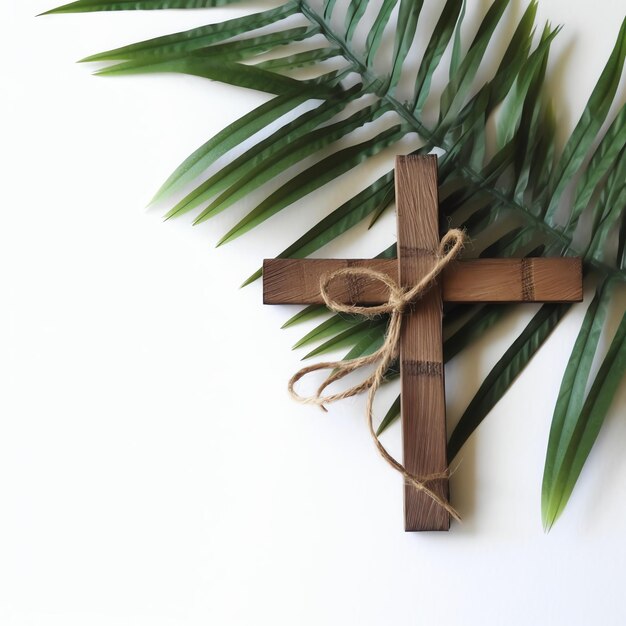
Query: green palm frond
column 543, row 201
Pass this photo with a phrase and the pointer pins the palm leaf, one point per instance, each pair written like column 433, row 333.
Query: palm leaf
column 86, row 6
column 332, row 327
column 454, row 95
column 229, row 51
column 224, row 71
column 583, row 432
column 258, row 153
column 504, row 373
column 435, row 49
column 354, row 334
column 603, row 159
column 225, row 140
column 569, row 403
column 375, row 35
column 354, row 13
column 590, row 122
column 338, row 222
column 300, row 59
column 292, row 152
column 195, row 38
column 317, row 175
column 405, row 33
column 520, row 187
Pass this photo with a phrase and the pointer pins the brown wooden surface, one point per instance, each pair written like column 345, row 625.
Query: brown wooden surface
column 297, row 281
column 422, row 404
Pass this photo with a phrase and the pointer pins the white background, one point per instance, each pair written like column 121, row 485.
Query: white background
column 153, row 469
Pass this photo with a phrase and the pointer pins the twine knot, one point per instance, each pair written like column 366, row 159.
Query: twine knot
column 398, row 301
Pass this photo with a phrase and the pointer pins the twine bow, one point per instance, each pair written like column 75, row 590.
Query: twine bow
column 397, row 303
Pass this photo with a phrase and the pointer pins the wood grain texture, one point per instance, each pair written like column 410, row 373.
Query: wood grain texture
column 422, row 404
column 297, row 281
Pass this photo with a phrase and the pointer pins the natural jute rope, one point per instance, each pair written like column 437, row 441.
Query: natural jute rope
column 399, row 300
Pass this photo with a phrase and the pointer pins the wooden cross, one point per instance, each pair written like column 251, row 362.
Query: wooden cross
column 297, row 281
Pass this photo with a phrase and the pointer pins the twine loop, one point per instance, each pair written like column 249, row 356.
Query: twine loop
column 399, row 300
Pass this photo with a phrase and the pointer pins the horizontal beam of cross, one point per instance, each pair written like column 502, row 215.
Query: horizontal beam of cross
column 297, row 281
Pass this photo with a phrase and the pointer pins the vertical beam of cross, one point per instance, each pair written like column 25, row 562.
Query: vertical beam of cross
column 423, row 405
